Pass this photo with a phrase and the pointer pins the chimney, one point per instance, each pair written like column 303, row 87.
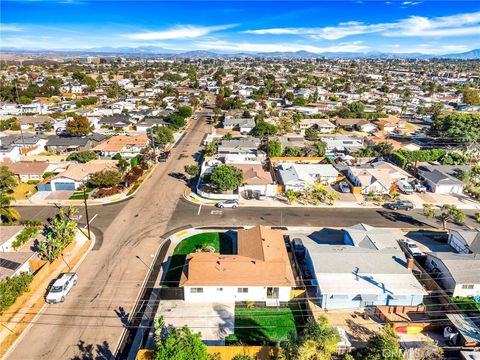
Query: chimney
column 410, row 263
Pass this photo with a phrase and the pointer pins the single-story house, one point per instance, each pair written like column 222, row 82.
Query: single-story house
column 247, row 145
column 350, row 277
column 67, row 144
column 256, row 179
column 260, row 271
column 465, row 241
column 28, row 170
column 440, row 178
column 149, row 123
column 391, row 124
column 244, row 125
column 117, row 121
column 28, row 143
column 458, row 274
column 127, row 146
column 322, row 125
column 297, row 177
column 377, row 177
column 351, row 124
column 75, row 175
column 342, row 144
column 15, row 263
column 7, row 237
column 33, row 121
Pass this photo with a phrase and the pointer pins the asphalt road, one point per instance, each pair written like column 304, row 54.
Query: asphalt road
column 91, row 321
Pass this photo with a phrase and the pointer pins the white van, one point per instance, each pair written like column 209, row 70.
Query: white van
column 405, row 187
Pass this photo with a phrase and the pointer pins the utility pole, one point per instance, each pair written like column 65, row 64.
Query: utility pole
column 86, row 212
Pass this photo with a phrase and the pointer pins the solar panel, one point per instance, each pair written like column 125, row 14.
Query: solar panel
column 8, row 264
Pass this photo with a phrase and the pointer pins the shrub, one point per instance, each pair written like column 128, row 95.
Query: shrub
column 101, row 193
column 47, row 174
column 26, row 234
column 33, row 182
column 82, row 156
column 104, row 178
column 11, row 288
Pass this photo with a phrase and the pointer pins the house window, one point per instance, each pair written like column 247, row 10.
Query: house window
column 196, row 290
column 242, row 290
column 219, row 289
column 272, row 292
column 467, row 286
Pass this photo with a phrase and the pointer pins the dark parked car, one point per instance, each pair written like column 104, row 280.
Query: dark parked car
column 400, row 205
column 164, row 157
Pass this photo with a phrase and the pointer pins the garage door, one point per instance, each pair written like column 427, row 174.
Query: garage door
column 64, row 186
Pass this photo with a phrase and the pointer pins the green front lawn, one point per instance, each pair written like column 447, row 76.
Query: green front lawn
column 222, row 243
column 265, row 325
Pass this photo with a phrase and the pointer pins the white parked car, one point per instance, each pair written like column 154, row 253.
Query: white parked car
column 227, row 204
column 412, row 248
column 61, row 287
column 420, row 188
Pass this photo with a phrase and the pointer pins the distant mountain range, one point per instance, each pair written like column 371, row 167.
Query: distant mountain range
column 153, row 51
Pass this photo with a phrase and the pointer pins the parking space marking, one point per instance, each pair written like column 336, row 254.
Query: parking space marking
column 199, row 209
column 216, row 212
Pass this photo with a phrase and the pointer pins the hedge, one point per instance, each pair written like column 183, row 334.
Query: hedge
column 404, row 157
column 12, row 287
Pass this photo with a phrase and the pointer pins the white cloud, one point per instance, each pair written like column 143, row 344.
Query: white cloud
column 272, row 47
column 414, row 26
column 179, row 32
column 10, row 28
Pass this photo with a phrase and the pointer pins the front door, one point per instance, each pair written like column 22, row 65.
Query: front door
column 272, row 292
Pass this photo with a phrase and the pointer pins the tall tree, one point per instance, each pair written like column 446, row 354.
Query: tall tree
column 178, row 344
column 470, row 96
column 163, row 135
column 383, row 345
column 79, row 126
column 226, row 177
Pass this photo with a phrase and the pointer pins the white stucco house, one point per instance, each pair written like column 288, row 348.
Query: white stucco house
column 297, row 177
column 458, row 274
column 377, row 178
column 259, row 271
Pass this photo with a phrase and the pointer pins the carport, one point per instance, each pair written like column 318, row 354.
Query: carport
column 214, row 321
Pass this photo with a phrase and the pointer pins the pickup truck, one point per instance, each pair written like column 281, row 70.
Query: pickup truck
column 61, row 287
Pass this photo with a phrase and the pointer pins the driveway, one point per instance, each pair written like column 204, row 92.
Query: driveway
column 59, row 195
column 213, row 320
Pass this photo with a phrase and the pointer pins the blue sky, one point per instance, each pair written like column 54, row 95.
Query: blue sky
column 431, row 27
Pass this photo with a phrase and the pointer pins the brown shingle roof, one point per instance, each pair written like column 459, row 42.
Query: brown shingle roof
column 28, row 167
column 262, row 260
